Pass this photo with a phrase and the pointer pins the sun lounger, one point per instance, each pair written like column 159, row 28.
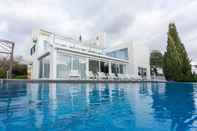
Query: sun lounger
column 138, row 78
column 127, row 77
column 101, row 75
column 121, row 76
column 74, row 74
column 90, row 75
column 112, row 76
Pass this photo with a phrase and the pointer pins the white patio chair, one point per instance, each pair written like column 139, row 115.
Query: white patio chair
column 130, row 77
column 127, row 77
column 112, row 76
column 101, row 75
column 90, row 75
column 74, row 74
column 138, row 78
column 121, row 76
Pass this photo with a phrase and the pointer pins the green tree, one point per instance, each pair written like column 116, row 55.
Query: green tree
column 19, row 70
column 156, row 61
column 176, row 63
column 2, row 73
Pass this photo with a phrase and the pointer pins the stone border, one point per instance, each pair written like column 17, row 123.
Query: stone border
column 76, row 81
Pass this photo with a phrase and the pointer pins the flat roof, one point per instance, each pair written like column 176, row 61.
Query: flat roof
column 81, row 50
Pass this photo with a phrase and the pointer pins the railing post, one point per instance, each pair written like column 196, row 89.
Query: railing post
column 11, row 62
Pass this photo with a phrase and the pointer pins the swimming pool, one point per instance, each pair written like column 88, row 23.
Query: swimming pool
column 98, row 107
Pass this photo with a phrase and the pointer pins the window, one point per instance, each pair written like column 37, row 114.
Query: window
column 94, row 66
column 62, row 69
column 46, row 45
column 121, row 69
column 82, row 67
column 75, row 60
column 44, row 68
column 104, row 67
column 67, row 63
column 115, row 69
column 142, row 71
column 64, row 63
column 121, row 53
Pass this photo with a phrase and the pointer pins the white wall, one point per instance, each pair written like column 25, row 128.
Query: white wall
column 39, row 51
column 194, row 68
column 138, row 55
column 141, row 56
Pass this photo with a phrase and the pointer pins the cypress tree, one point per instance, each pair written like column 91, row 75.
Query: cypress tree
column 176, row 63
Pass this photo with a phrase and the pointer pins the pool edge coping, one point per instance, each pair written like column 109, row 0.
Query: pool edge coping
column 78, row 81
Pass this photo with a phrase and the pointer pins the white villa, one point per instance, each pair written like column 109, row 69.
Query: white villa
column 57, row 57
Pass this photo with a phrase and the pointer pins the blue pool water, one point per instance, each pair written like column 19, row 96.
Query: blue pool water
column 98, row 107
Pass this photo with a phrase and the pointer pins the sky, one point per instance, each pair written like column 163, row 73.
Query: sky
column 138, row 21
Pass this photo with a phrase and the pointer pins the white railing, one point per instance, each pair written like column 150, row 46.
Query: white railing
column 73, row 44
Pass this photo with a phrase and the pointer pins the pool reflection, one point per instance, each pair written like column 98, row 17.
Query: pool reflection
column 175, row 102
column 101, row 106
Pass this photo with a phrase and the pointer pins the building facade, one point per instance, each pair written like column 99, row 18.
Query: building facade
column 57, row 57
column 138, row 57
column 194, row 67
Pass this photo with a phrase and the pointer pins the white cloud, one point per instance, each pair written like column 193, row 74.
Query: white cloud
column 3, row 27
column 136, row 20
